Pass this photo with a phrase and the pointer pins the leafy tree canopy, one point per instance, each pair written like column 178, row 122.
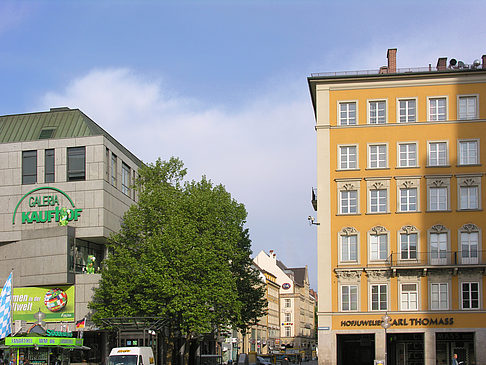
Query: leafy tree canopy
column 182, row 253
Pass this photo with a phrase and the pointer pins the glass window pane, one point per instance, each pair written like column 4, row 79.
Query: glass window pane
column 76, row 163
column 29, row 167
column 49, row 175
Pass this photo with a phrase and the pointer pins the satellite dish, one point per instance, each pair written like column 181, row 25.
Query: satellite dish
column 460, row 64
column 476, row 63
column 453, row 62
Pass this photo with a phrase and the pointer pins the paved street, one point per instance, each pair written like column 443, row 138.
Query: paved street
column 311, row 362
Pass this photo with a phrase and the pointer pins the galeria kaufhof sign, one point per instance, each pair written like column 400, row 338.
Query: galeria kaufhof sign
column 44, row 205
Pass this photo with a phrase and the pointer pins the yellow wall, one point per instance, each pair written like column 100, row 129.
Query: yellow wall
column 392, row 93
column 391, row 133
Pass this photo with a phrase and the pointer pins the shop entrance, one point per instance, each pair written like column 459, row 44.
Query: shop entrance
column 449, row 343
column 405, row 348
column 356, row 349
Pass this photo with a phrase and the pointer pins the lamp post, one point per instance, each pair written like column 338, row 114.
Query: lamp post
column 39, row 316
column 385, row 323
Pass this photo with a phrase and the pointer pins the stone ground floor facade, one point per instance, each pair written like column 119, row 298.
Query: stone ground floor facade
column 426, row 345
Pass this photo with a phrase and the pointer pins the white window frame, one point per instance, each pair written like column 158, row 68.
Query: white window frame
column 442, row 254
column 344, row 185
column 372, row 185
column 464, row 182
column 344, row 235
column 460, row 161
column 288, row 317
column 374, row 248
column 349, row 287
column 470, row 256
column 348, row 162
column 409, row 294
column 347, row 118
column 408, row 182
column 429, row 152
column 406, row 194
column 399, row 110
column 440, row 293
column 287, row 303
column 380, row 287
column 470, row 284
column 468, row 116
column 408, row 231
column 469, row 197
column 288, row 331
column 438, row 184
column 373, row 101
column 376, row 197
column 429, row 114
column 408, row 153
column 379, row 162
column 347, row 195
column 438, row 198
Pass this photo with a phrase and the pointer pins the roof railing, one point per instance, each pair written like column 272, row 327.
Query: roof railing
column 430, row 68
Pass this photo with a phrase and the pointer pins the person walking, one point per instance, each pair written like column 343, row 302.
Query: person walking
column 454, row 360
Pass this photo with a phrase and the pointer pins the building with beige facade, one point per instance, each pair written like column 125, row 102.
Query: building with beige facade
column 400, row 173
column 264, row 336
column 65, row 184
column 296, row 328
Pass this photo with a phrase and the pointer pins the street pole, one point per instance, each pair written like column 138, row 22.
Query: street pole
column 385, row 323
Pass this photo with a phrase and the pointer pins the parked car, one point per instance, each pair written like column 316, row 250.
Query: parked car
column 263, row 361
column 243, row 359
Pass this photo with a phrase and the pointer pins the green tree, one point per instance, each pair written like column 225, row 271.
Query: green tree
column 182, row 253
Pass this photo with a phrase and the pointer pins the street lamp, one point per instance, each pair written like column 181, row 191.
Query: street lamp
column 385, row 323
column 39, row 316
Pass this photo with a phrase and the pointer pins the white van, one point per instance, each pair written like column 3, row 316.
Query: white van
column 131, row 356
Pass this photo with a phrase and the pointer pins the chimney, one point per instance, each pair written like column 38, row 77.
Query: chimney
column 442, row 64
column 483, row 57
column 392, row 60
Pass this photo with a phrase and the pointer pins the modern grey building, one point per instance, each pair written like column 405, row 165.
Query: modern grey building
column 65, row 184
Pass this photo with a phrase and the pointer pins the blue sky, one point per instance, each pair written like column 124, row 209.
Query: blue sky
column 221, row 84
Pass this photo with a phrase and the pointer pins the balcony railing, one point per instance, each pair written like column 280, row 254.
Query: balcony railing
column 437, row 258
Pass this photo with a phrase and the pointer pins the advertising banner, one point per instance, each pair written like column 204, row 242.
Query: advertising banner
column 43, row 341
column 56, row 303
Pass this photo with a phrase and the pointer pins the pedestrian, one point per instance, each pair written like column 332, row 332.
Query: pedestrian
column 454, row 360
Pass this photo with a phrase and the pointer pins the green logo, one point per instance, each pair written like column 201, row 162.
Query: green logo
column 62, row 215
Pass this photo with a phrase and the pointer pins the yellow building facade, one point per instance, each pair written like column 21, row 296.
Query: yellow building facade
column 264, row 336
column 400, row 182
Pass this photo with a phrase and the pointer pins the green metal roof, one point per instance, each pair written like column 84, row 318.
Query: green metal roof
column 58, row 123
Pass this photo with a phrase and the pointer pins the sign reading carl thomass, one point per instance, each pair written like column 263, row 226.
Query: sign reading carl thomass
column 44, row 205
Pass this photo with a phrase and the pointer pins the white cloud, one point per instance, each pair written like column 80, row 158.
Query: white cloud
column 263, row 152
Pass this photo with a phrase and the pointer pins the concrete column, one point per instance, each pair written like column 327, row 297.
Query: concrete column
column 327, row 348
column 430, row 352
column 380, row 345
column 479, row 348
